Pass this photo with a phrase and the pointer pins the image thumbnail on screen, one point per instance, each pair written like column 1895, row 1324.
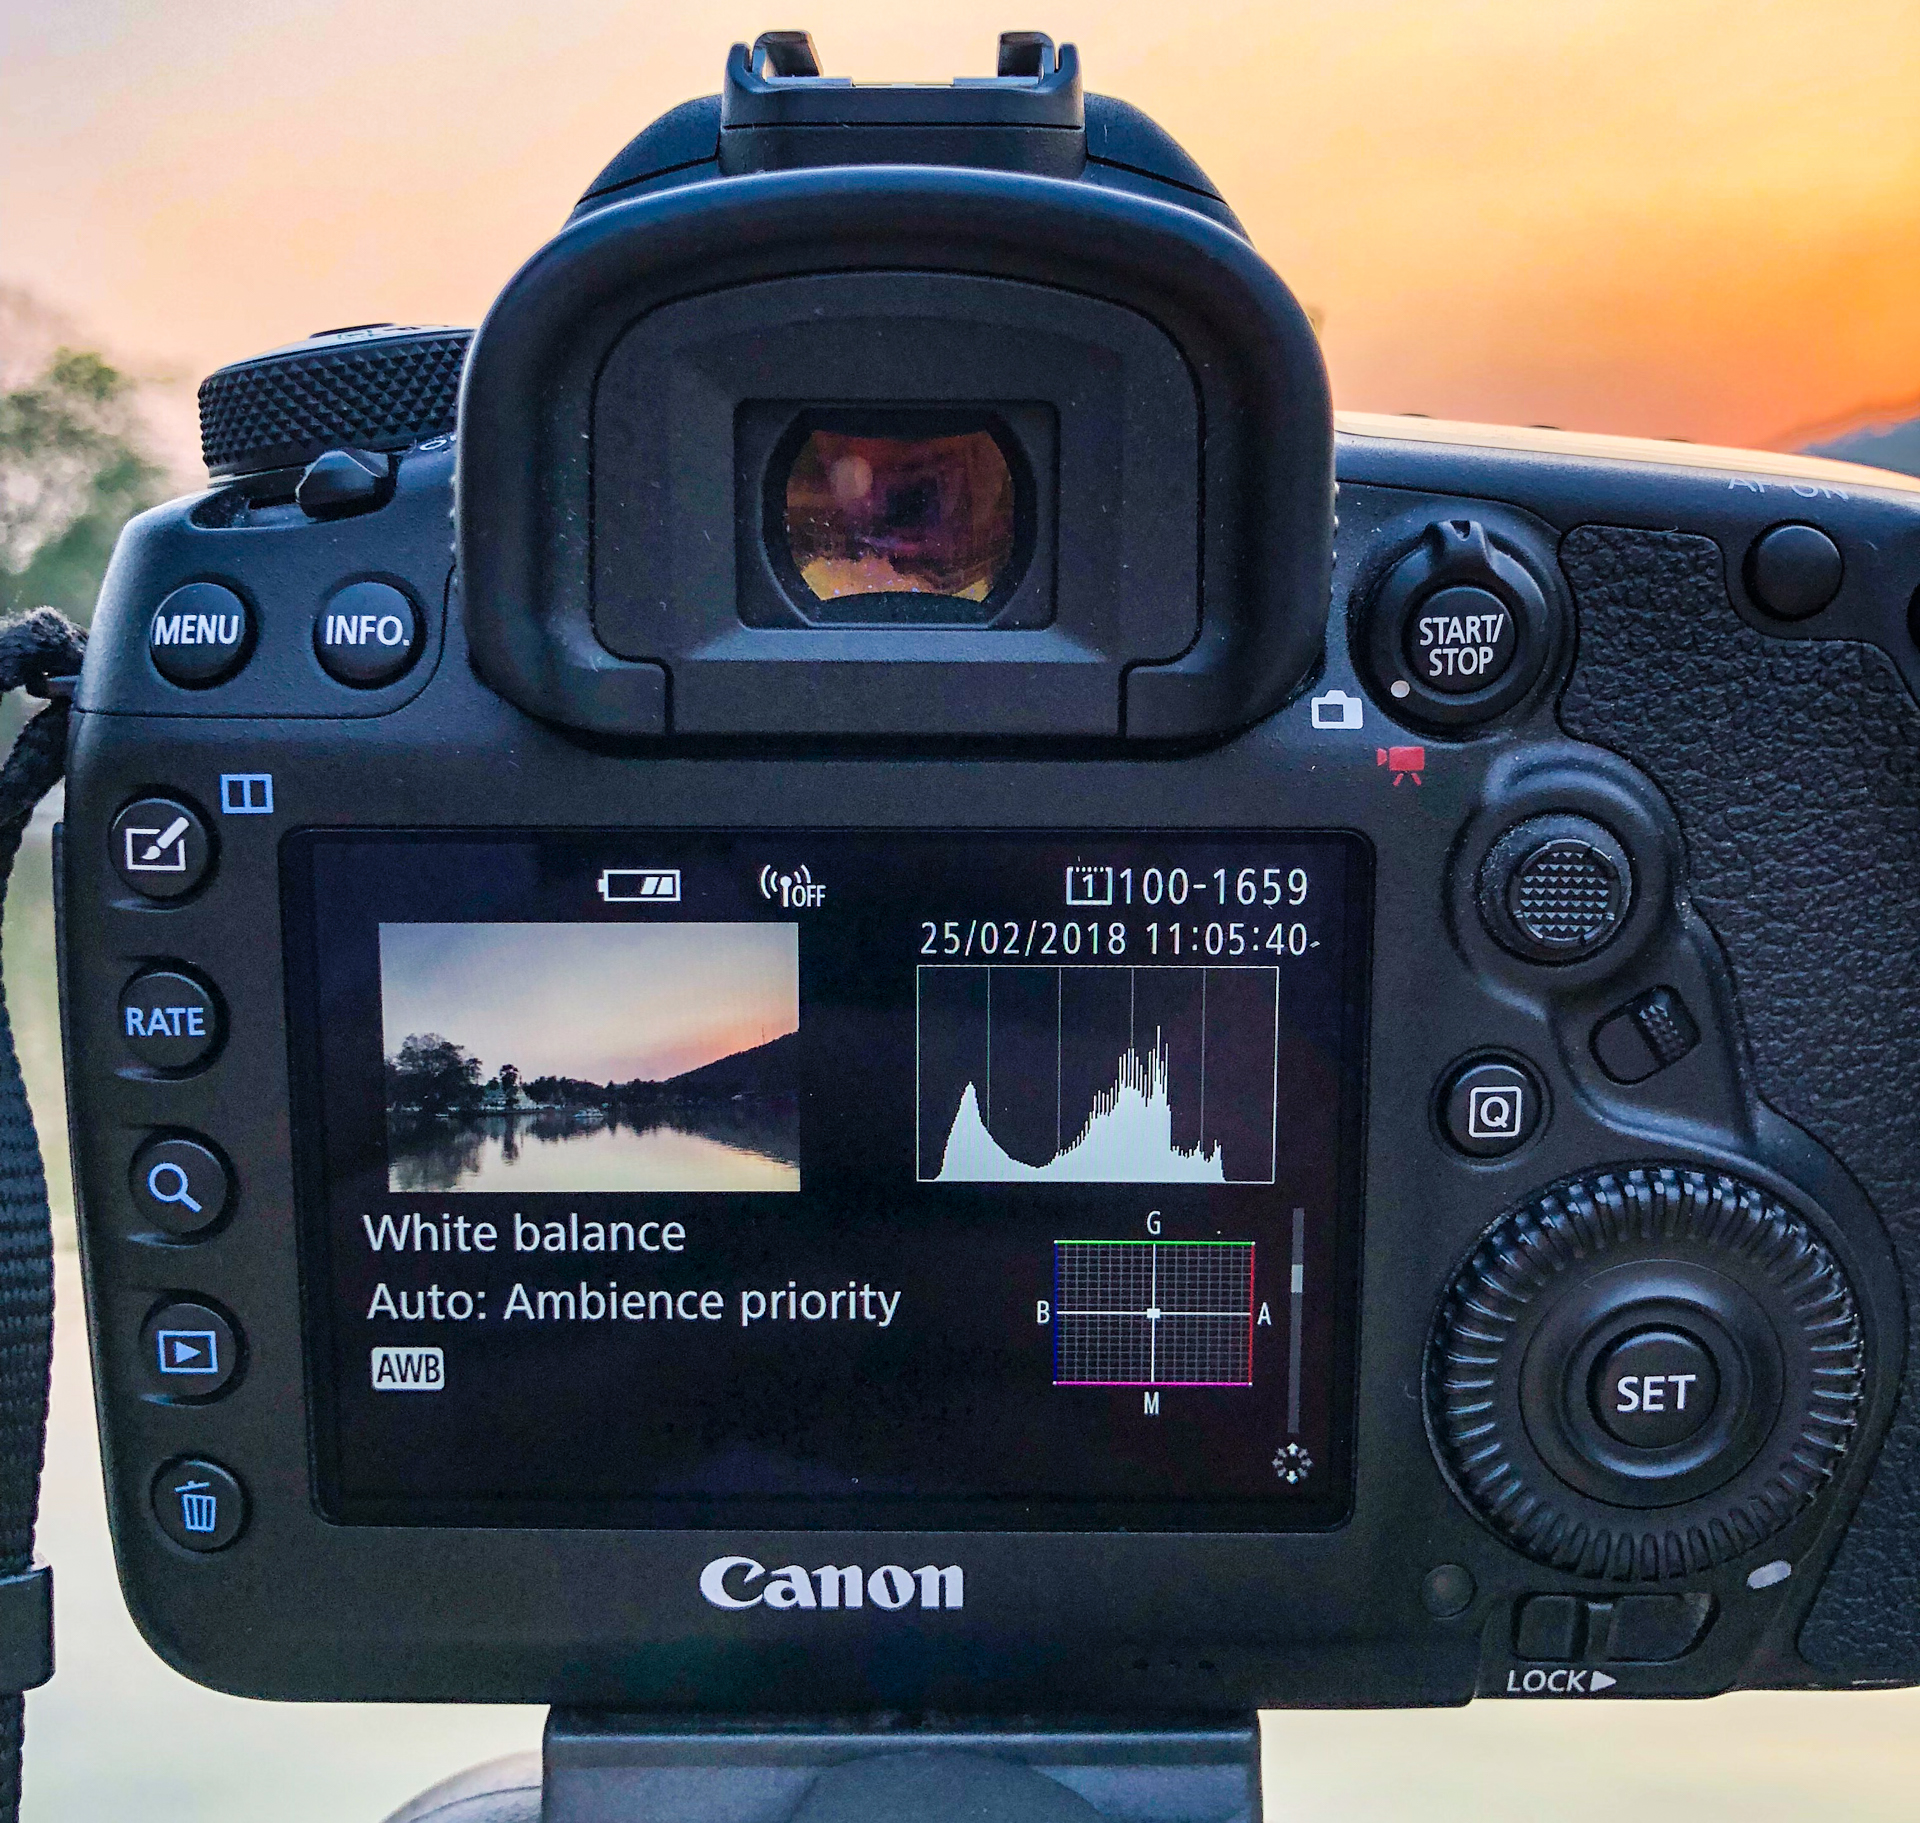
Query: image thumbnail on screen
column 591, row 1057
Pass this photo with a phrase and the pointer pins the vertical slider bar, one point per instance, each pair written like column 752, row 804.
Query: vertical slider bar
column 1296, row 1298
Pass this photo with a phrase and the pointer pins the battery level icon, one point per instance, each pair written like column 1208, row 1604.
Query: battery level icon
column 640, row 885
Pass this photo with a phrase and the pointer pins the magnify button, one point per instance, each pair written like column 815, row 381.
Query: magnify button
column 181, row 1185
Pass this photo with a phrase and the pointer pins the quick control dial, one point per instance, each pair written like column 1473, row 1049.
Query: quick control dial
column 1640, row 1374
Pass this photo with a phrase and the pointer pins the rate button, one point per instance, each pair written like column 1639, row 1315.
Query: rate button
column 169, row 1021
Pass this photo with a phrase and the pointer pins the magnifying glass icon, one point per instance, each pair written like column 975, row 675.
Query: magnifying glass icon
column 179, row 1188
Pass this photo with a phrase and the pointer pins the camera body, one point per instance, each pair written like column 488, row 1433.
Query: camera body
column 899, row 1039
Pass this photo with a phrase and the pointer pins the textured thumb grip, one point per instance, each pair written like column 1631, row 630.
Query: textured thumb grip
column 1794, row 767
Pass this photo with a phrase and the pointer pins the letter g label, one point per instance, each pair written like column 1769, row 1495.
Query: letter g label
column 713, row 1581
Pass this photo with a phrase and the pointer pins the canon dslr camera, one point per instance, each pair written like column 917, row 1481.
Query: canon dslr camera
column 900, row 1035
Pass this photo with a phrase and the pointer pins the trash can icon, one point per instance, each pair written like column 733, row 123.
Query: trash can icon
column 199, row 1510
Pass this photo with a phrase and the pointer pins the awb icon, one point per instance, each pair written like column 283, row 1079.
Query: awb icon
column 409, row 1370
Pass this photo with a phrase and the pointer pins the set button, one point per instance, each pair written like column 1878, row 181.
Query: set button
column 169, row 1021
column 1655, row 1388
column 188, row 1351
column 200, row 635
column 199, row 1504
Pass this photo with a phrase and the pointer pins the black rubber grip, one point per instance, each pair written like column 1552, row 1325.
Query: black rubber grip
column 1795, row 767
column 381, row 388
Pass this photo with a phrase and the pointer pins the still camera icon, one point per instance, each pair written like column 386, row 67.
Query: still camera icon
column 1337, row 709
column 1495, row 1112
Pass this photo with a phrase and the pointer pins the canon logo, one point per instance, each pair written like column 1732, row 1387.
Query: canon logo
column 739, row 1582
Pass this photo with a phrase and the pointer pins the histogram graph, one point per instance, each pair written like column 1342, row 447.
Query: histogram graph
column 1097, row 1075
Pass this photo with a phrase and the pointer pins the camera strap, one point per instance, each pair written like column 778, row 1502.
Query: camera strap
column 39, row 652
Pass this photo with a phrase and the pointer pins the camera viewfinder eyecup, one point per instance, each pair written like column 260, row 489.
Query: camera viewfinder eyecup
column 640, row 363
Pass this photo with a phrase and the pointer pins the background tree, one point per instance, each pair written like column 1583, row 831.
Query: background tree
column 432, row 1075
column 75, row 462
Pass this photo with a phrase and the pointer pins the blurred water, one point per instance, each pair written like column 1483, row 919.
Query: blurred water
column 749, row 1145
column 118, row 1737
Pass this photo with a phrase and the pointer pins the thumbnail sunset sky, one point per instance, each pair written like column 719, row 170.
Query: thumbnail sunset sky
column 596, row 1002
column 1694, row 218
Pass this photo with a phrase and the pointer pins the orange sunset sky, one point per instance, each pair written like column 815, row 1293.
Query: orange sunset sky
column 1694, row 218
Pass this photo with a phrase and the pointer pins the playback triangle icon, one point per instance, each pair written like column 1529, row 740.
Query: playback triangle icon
column 189, row 1351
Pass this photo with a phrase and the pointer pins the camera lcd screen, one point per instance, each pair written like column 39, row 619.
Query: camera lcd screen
column 829, row 1179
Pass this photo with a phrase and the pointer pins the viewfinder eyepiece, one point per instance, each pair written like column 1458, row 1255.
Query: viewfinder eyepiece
column 895, row 523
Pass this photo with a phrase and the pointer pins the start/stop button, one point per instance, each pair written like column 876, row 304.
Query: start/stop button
column 1460, row 629
column 1460, row 640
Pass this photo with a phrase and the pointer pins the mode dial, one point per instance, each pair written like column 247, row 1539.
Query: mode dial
column 1645, row 1372
column 376, row 387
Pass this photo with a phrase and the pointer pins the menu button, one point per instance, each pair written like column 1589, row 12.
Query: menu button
column 200, row 635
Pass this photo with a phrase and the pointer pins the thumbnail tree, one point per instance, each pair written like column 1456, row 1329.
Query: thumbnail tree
column 432, row 1075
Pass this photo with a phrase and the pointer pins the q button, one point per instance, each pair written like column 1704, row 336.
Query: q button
column 181, row 1185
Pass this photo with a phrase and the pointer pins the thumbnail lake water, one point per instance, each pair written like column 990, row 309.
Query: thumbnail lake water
column 746, row 1145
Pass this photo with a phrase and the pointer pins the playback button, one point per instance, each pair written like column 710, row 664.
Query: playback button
column 160, row 848
column 188, row 1351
